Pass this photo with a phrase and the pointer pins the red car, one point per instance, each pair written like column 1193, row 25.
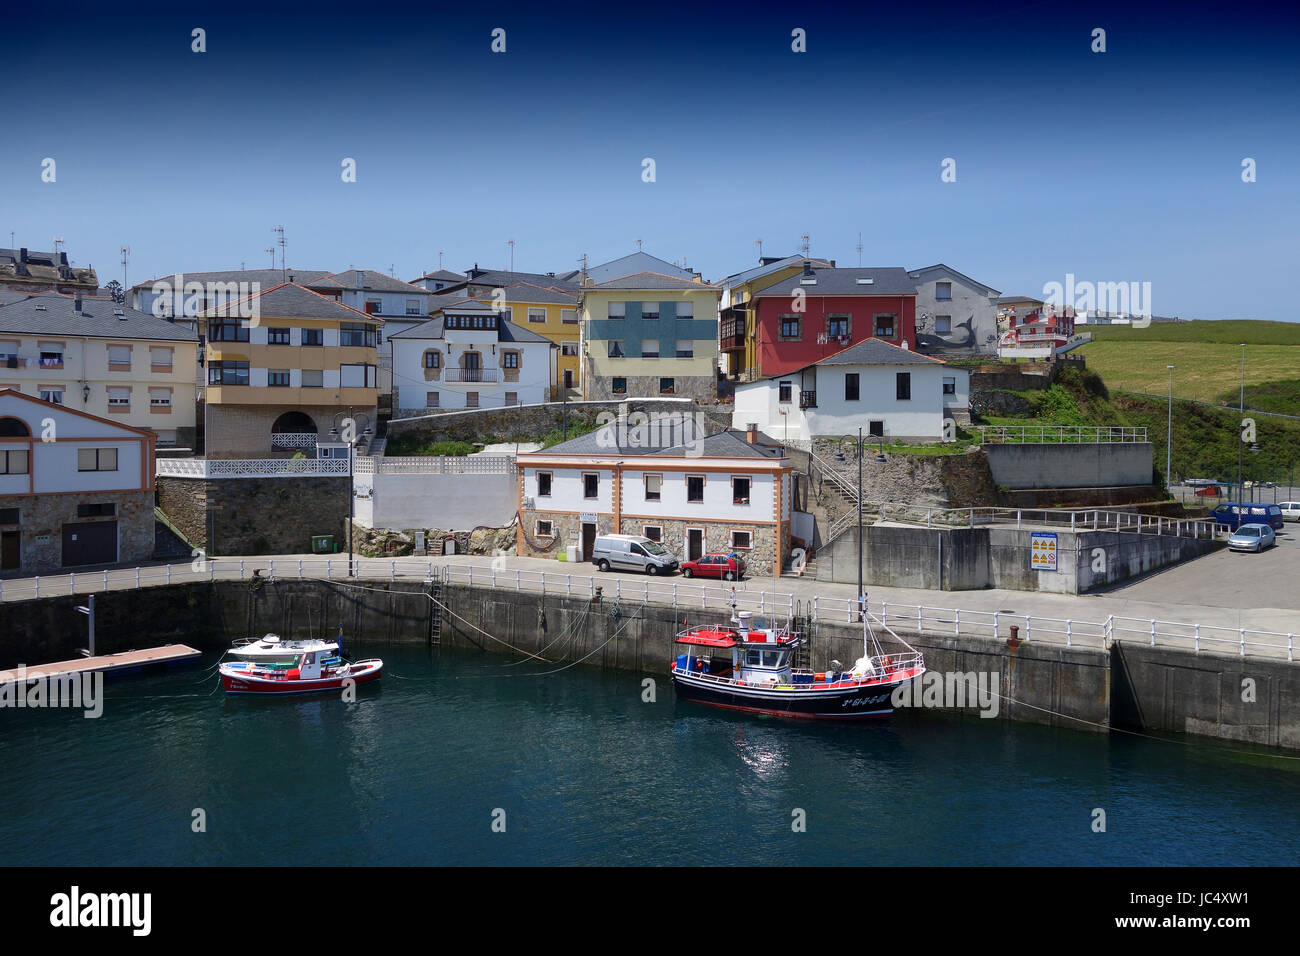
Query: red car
column 716, row 564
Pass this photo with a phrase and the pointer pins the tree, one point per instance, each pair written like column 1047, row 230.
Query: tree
column 116, row 291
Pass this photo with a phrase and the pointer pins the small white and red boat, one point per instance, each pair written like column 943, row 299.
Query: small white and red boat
column 313, row 672
column 741, row 668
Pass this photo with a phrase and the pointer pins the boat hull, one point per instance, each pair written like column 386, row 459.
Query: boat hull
column 237, row 681
column 845, row 702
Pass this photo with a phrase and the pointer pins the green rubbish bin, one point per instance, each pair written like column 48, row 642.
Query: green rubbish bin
column 323, row 544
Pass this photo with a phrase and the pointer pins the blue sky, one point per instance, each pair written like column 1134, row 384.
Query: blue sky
column 1119, row 166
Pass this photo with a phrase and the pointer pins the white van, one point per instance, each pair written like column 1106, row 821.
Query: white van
column 1290, row 510
column 631, row 552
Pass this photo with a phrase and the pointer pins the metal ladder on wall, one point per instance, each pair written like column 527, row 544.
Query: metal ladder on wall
column 435, row 607
column 803, row 622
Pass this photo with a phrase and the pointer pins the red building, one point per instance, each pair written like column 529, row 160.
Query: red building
column 1041, row 327
column 820, row 312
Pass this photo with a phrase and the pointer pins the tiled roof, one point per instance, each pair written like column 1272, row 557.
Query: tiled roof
column 97, row 319
column 442, row 275
column 875, row 352
column 528, row 292
column 293, row 301
column 949, row 270
column 372, row 281
column 888, row 280
column 633, row 264
column 500, row 279
column 605, row 442
column 653, row 281
column 266, row 278
column 740, row 278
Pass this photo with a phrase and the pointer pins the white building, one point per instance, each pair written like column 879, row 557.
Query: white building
column 469, row 357
column 75, row 489
column 693, row 494
column 955, row 314
column 887, row 391
column 102, row 358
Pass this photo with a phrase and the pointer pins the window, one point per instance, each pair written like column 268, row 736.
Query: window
column 101, row 509
column 943, row 324
column 784, row 391
column 876, row 429
column 903, row 386
column 667, row 386
column 119, row 398
column 161, row 398
column 431, row 400
column 313, row 337
column 851, row 387
column 653, row 531
column 617, row 310
column 590, row 485
column 412, row 306
column 950, row 385
column 51, row 359
column 685, row 310
column 569, row 316
column 685, row 348
column 278, row 378
column 569, row 348
column 649, row 310
column 313, row 378
column 740, row 491
column 542, row 529
column 357, row 333
column 52, row 395
column 943, row 291
column 543, row 484
column 695, row 488
column 8, row 515
column 374, row 306
column 885, row 325
column 357, row 376
column 615, row 348
column 512, row 398
column 228, row 373
column 742, row 540
column 508, row 313
column 837, row 326
column 649, row 348
column 160, row 359
column 277, row 336
column 13, row 462
column 509, row 359
column 790, row 328
column 471, row 399
column 96, row 459
column 536, row 315
column 618, row 386
column 227, row 329
column 119, row 357
column 432, row 359
column 653, row 487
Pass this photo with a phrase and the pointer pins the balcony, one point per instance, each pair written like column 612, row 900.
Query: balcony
column 807, row 399
column 471, row 375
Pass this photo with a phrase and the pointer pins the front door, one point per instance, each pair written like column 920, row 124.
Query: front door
column 588, row 540
column 10, row 559
column 471, row 367
column 694, row 543
column 89, row 542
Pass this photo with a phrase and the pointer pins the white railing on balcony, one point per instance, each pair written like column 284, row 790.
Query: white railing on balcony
column 293, row 439
column 471, row 375
column 1057, row 434
column 437, row 465
column 250, row 467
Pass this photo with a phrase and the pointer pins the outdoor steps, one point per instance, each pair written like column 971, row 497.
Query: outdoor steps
column 809, row 571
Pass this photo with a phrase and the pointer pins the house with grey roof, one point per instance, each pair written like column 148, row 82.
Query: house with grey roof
column 890, row 392
column 95, row 356
column 955, row 314
column 438, row 280
column 182, row 296
column 469, row 356
column 27, row 270
column 663, row 479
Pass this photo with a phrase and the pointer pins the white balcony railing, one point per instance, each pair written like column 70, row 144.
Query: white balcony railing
column 250, row 467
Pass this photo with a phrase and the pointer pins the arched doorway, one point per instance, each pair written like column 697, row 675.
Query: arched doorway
column 293, row 429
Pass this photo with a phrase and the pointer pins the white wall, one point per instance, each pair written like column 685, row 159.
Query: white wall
column 718, row 503
column 536, row 370
column 446, row 502
column 567, row 488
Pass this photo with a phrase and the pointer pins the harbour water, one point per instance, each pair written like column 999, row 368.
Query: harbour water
column 587, row 772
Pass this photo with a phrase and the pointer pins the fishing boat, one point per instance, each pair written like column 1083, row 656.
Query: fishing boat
column 311, row 673
column 741, row 668
column 270, row 649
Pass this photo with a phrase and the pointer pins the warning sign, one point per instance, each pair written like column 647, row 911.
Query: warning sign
column 1042, row 550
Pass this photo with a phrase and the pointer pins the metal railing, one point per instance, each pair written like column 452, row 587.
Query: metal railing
column 470, row 375
column 1058, row 434
column 686, row 598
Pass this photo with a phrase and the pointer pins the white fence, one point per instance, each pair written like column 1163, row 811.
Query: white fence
column 249, row 467
column 437, row 465
column 688, row 598
column 1057, row 434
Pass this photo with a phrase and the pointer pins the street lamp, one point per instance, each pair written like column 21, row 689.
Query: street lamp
column 859, row 444
column 1241, row 489
column 349, row 433
column 1169, row 435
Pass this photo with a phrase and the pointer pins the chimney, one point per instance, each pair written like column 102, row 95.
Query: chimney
column 290, row 276
column 76, row 304
column 22, row 256
column 751, row 433
column 807, row 268
column 361, row 279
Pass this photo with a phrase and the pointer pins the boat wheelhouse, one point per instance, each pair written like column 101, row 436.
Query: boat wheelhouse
column 314, row 671
column 742, row 668
column 270, row 649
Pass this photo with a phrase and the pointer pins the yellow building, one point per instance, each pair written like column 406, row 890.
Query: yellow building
column 552, row 314
column 738, row 332
column 286, row 366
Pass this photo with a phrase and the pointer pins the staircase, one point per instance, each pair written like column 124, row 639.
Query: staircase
column 841, row 511
column 809, row 571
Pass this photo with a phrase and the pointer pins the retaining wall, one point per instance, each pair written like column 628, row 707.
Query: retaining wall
column 1085, row 465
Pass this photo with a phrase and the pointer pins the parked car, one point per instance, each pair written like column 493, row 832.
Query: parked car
column 1252, row 537
column 631, row 552
column 1290, row 510
column 716, row 564
column 1233, row 514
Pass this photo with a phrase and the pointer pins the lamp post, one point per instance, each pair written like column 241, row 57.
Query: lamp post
column 1169, row 435
column 1241, row 489
column 349, row 434
column 859, row 444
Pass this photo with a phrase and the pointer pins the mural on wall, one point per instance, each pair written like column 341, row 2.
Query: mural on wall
column 962, row 337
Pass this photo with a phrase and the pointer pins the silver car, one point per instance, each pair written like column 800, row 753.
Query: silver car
column 1252, row 537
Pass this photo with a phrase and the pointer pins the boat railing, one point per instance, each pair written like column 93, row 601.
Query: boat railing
column 889, row 666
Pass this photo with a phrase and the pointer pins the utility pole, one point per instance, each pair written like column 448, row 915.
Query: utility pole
column 1241, row 488
column 1169, row 434
column 861, row 595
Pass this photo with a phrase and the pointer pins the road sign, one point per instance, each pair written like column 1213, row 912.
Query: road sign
column 1042, row 550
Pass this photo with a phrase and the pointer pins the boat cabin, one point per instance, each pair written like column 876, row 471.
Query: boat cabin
column 741, row 654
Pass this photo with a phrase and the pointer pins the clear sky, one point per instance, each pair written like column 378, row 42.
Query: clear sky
column 1115, row 166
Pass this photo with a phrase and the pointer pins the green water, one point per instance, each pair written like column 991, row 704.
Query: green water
column 586, row 772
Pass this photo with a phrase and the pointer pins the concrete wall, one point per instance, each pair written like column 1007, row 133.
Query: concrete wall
column 1094, row 465
column 440, row 501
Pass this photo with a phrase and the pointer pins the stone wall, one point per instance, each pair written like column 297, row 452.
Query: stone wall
column 698, row 388
column 42, row 517
column 256, row 515
column 962, row 481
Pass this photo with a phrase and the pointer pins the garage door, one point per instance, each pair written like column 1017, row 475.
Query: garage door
column 89, row 542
